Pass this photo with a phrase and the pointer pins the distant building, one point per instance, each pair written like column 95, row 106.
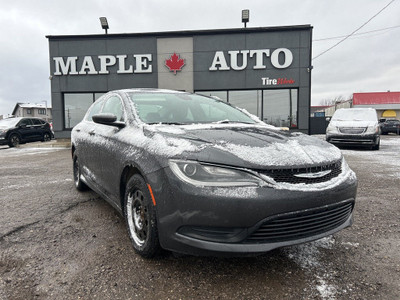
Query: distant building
column 328, row 110
column 33, row 110
column 387, row 104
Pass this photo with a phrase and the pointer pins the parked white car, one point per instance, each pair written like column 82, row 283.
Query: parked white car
column 354, row 126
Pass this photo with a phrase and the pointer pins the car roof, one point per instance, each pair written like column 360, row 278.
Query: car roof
column 149, row 90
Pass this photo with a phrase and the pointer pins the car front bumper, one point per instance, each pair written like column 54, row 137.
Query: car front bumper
column 3, row 140
column 246, row 220
column 350, row 139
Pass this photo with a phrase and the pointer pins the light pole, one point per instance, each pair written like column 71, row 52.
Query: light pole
column 45, row 101
column 245, row 17
column 104, row 24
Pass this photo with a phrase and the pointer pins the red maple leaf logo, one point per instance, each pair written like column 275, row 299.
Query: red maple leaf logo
column 174, row 63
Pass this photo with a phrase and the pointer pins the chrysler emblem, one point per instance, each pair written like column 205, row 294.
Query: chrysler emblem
column 313, row 175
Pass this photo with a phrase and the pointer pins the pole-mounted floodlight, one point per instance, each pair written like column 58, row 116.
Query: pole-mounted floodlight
column 245, row 17
column 104, row 23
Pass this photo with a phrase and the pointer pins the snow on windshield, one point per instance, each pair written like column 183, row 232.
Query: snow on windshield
column 353, row 114
column 10, row 122
column 184, row 108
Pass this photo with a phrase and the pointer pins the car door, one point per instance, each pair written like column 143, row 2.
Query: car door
column 26, row 130
column 109, row 154
column 38, row 128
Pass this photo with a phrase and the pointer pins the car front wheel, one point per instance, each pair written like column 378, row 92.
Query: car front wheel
column 14, row 140
column 79, row 184
column 140, row 215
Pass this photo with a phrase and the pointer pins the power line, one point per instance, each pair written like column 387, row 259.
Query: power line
column 361, row 33
column 341, row 41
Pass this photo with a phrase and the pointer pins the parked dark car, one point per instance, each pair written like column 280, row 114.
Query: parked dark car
column 195, row 175
column 14, row 131
column 390, row 126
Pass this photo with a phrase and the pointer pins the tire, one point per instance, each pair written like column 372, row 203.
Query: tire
column 46, row 137
column 79, row 184
column 376, row 147
column 14, row 140
column 140, row 216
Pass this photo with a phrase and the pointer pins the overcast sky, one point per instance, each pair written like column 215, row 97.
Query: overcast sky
column 363, row 63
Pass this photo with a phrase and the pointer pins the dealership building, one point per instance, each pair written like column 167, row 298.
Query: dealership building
column 266, row 71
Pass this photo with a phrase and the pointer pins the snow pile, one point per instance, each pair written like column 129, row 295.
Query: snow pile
column 307, row 256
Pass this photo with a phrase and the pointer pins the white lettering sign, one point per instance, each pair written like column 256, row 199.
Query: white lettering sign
column 70, row 65
column 219, row 62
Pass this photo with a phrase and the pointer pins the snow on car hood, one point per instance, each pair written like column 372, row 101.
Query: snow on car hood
column 250, row 146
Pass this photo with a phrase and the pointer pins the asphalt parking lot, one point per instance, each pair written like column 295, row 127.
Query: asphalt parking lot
column 58, row 243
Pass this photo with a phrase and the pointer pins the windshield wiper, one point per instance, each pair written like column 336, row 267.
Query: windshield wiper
column 167, row 123
column 230, row 122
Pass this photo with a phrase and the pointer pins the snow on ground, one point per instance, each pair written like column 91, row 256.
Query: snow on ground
column 13, row 152
column 309, row 257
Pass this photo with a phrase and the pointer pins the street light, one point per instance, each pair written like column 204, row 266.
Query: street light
column 45, row 101
column 104, row 23
column 245, row 17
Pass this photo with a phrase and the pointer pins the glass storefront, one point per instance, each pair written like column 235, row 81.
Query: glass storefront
column 280, row 107
column 75, row 107
column 277, row 107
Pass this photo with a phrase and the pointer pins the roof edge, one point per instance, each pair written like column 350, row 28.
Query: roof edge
column 184, row 32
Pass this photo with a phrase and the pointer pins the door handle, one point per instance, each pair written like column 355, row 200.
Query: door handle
column 91, row 132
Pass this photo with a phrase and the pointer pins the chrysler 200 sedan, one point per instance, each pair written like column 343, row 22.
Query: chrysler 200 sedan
column 195, row 175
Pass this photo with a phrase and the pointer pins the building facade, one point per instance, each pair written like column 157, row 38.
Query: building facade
column 387, row 104
column 33, row 111
column 263, row 70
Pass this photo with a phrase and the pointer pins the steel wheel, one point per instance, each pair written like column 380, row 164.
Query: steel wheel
column 140, row 216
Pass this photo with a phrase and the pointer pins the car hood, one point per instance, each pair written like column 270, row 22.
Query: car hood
column 248, row 146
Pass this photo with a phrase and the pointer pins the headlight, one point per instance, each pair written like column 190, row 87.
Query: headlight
column 207, row 175
column 331, row 129
column 372, row 129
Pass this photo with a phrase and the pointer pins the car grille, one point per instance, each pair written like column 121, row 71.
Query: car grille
column 289, row 175
column 302, row 224
column 352, row 130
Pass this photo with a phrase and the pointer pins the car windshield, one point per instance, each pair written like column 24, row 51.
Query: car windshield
column 354, row 115
column 182, row 108
column 10, row 122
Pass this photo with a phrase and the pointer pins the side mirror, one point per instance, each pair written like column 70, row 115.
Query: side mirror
column 328, row 119
column 107, row 119
column 22, row 126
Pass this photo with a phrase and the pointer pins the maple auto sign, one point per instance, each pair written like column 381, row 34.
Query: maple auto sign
column 280, row 58
column 220, row 62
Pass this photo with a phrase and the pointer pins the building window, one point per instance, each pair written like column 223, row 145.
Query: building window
column 28, row 111
column 75, row 107
column 248, row 100
column 277, row 107
column 222, row 95
column 41, row 111
column 280, row 107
